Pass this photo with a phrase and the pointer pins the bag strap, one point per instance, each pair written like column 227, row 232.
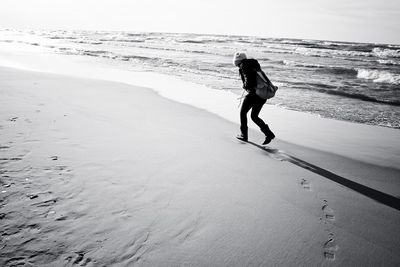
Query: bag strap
column 264, row 77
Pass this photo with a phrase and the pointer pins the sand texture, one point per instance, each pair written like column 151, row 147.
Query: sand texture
column 97, row 173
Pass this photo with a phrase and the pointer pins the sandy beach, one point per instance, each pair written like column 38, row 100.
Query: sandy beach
column 100, row 173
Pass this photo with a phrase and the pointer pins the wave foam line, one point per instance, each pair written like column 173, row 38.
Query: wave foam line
column 384, row 53
column 378, row 76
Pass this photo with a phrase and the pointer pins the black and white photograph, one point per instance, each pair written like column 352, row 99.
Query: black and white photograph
column 199, row 133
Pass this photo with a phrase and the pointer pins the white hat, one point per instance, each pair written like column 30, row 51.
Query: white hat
column 238, row 57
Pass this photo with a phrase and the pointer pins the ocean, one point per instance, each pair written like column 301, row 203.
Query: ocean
column 358, row 82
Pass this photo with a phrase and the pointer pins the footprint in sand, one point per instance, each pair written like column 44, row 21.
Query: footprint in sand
column 13, row 119
column 328, row 212
column 16, row 261
column 32, row 196
column 305, row 184
column 45, row 203
column 61, row 218
column 6, row 160
column 79, row 259
column 330, row 249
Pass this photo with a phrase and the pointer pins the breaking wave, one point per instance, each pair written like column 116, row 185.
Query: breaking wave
column 389, row 62
column 321, row 68
column 327, row 52
column 378, row 76
column 384, row 53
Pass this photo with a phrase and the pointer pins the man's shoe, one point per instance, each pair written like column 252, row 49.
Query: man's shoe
column 242, row 137
column 267, row 140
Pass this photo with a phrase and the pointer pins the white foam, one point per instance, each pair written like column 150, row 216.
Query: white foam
column 302, row 64
column 289, row 63
column 388, row 62
column 378, row 76
column 24, row 37
column 383, row 53
column 329, row 52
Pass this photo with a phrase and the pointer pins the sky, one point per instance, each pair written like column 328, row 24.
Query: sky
column 376, row 21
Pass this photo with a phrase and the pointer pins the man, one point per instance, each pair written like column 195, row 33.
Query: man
column 248, row 69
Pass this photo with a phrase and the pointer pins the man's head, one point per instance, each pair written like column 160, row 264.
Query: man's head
column 238, row 57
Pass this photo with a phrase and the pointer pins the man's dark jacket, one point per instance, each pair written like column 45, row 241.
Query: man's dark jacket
column 248, row 72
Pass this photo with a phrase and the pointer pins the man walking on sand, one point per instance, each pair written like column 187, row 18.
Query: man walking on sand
column 248, row 69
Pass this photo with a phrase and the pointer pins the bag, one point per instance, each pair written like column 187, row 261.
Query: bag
column 265, row 89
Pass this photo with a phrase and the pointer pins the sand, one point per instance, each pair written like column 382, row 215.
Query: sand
column 99, row 173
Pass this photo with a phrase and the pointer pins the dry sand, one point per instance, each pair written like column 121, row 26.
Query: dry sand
column 97, row 173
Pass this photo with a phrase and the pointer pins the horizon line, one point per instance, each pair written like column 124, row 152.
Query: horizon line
column 196, row 33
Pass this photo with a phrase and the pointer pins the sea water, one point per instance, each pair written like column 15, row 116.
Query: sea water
column 358, row 82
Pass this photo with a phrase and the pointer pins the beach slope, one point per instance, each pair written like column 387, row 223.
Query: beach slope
column 100, row 173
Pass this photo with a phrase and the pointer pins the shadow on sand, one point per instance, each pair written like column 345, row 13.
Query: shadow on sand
column 376, row 195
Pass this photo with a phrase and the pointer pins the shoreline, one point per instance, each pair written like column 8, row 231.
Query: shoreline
column 369, row 174
column 342, row 165
column 110, row 173
column 351, row 140
column 328, row 82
